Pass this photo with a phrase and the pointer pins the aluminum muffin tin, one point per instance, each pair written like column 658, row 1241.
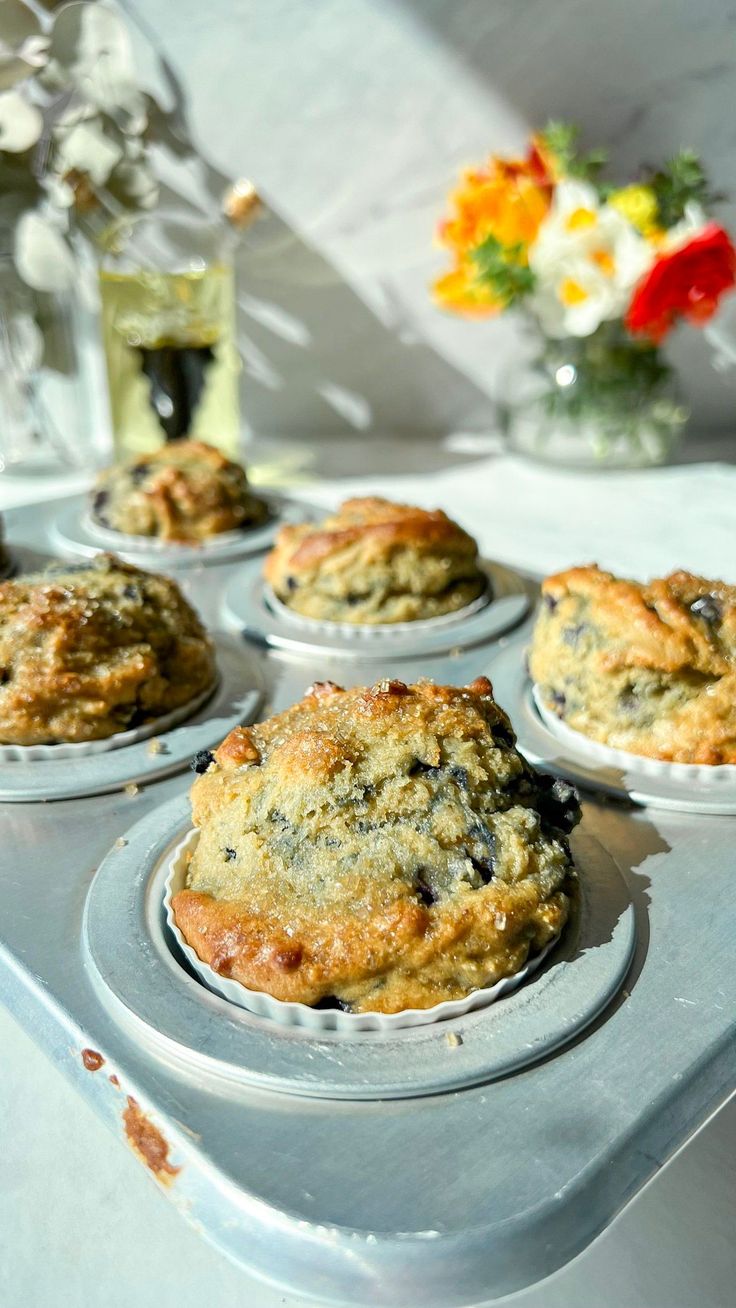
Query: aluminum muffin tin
column 438, row 1166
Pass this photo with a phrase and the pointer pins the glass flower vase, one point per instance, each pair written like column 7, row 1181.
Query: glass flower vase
column 600, row 401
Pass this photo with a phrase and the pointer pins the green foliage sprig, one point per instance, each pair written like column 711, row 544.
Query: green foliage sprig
column 561, row 139
column 503, row 268
column 680, row 181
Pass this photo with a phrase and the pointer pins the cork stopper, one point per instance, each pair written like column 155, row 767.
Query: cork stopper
column 241, row 204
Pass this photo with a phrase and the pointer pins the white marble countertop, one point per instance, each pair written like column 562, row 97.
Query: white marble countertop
column 83, row 1224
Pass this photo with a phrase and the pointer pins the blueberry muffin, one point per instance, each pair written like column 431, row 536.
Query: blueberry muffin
column 376, row 849
column 184, row 492
column 374, row 561
column 90, row 650
column 646, row 668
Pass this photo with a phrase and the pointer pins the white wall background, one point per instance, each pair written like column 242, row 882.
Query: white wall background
column 353, row 116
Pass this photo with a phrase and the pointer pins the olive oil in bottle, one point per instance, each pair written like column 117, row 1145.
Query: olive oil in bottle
column 172, row 364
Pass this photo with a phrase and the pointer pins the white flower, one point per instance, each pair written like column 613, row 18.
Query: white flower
column 91, row 54
column 690, row 225
column 586, row 258
column 42, row 256
column 133, row 181
column 88, row 149
column 21, row 123
column 23, row 45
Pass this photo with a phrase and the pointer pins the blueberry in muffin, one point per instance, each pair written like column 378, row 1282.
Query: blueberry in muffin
column 649, row 668
column 376, row 562
column 93, row 649
column 376, row 849
column 184, row 492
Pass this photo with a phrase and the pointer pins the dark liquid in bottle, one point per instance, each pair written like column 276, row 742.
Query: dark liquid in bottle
column 177, row 375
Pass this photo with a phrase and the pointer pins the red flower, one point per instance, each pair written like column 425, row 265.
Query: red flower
column 685, row 283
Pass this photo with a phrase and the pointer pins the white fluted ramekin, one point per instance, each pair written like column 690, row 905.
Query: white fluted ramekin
column 290, row 1014
column 121, row 542
column 687, row 775
column 77, row 749
column 371, row 631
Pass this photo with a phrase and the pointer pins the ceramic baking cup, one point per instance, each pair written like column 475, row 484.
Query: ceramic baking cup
column 80, row 749
column 288, row 1014
column 371, row 630
column 688, row 775
column 110, row 539
column 76, row 532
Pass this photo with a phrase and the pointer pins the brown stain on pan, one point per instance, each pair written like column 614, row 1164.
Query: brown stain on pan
column 92, row 1060
column 148, row 1143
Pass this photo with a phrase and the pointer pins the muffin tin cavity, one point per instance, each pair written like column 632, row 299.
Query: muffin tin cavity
column 147, row 986
column 250, row 606
column 75, row 532
column 235, row 699
column 552, row 745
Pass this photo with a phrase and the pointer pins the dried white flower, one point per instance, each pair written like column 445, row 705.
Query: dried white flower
column 88, row 149
column 23, row 47
column 42, row 256
column 21, row 123
column 91, row 53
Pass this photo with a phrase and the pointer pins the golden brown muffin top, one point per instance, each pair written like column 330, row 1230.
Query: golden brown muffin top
column 381, row 524
column 648, row 668
column 672, row 623
column 374, row 562
column 184, row 491
column 91, row 649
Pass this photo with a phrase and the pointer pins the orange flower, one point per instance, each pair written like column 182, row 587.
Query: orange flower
column 504, row 202
column 507, row 200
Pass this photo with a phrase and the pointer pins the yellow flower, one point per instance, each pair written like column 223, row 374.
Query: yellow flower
column 639, row 204
column 461, row 291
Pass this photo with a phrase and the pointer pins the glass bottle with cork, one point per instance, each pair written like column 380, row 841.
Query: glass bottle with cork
column 167, row 293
